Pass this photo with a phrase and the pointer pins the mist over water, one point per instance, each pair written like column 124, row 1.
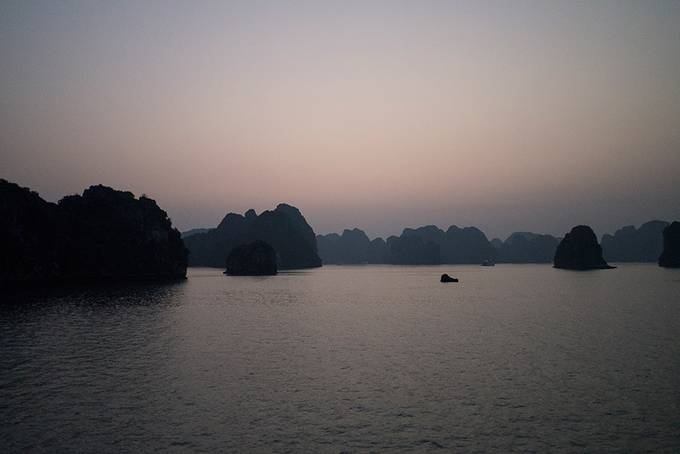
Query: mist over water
column 514, row 357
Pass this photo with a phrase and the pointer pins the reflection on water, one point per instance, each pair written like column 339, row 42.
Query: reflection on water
column 513, row 357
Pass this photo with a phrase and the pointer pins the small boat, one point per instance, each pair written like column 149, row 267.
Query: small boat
column 446, row 278
column 488, row 262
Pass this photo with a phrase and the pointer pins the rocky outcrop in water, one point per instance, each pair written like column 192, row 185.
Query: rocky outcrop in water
column 579, row 250
column 670, row 257
column 104, row 234
column 284, row 228
column 252, row 259
column 629, row 244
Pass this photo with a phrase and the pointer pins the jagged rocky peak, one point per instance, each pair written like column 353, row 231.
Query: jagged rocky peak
column 250, row 215
column 299, row 222
column 284, row 228
column 231, row 220
column 579, row 250
column 355, row 234
column 670, row 257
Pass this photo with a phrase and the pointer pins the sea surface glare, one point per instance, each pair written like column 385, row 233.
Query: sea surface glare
column 348, row 359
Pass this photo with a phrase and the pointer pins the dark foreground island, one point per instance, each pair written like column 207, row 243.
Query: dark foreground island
column 670, row 257
column 102, row 235
column 253, row 259
column 579, row 250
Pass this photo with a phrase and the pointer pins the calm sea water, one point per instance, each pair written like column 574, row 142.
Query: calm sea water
column 353, row 359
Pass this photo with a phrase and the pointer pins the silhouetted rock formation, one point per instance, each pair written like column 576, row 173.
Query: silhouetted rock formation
column 527, row 247
column 670, row 257
column 430, row 245
column 284, row 228
column 421, row 246
column 352, row 247
column 579, row 251
column 252, row 259
column 466, row 245
column 629, row 244
column 411, row 249
column 28, row 236
column 378, row 251
column 446, row 278
column 102, row 235
column 328, row 248
column 426, row 245
column 349, row 248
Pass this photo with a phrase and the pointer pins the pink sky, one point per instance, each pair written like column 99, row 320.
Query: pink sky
column 382, row 115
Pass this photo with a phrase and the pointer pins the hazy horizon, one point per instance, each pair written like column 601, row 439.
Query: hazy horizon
column 530, row 116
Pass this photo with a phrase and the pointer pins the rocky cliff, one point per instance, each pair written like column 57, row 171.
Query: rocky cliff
column 103, row 234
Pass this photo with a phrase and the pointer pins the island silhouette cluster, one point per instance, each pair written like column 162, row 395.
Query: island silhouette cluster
column 106, row 234
column 430, row 245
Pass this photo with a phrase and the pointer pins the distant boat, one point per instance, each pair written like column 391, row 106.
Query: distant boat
column 488, row 262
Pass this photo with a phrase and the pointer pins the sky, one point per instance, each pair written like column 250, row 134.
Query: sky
column 510, row 116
